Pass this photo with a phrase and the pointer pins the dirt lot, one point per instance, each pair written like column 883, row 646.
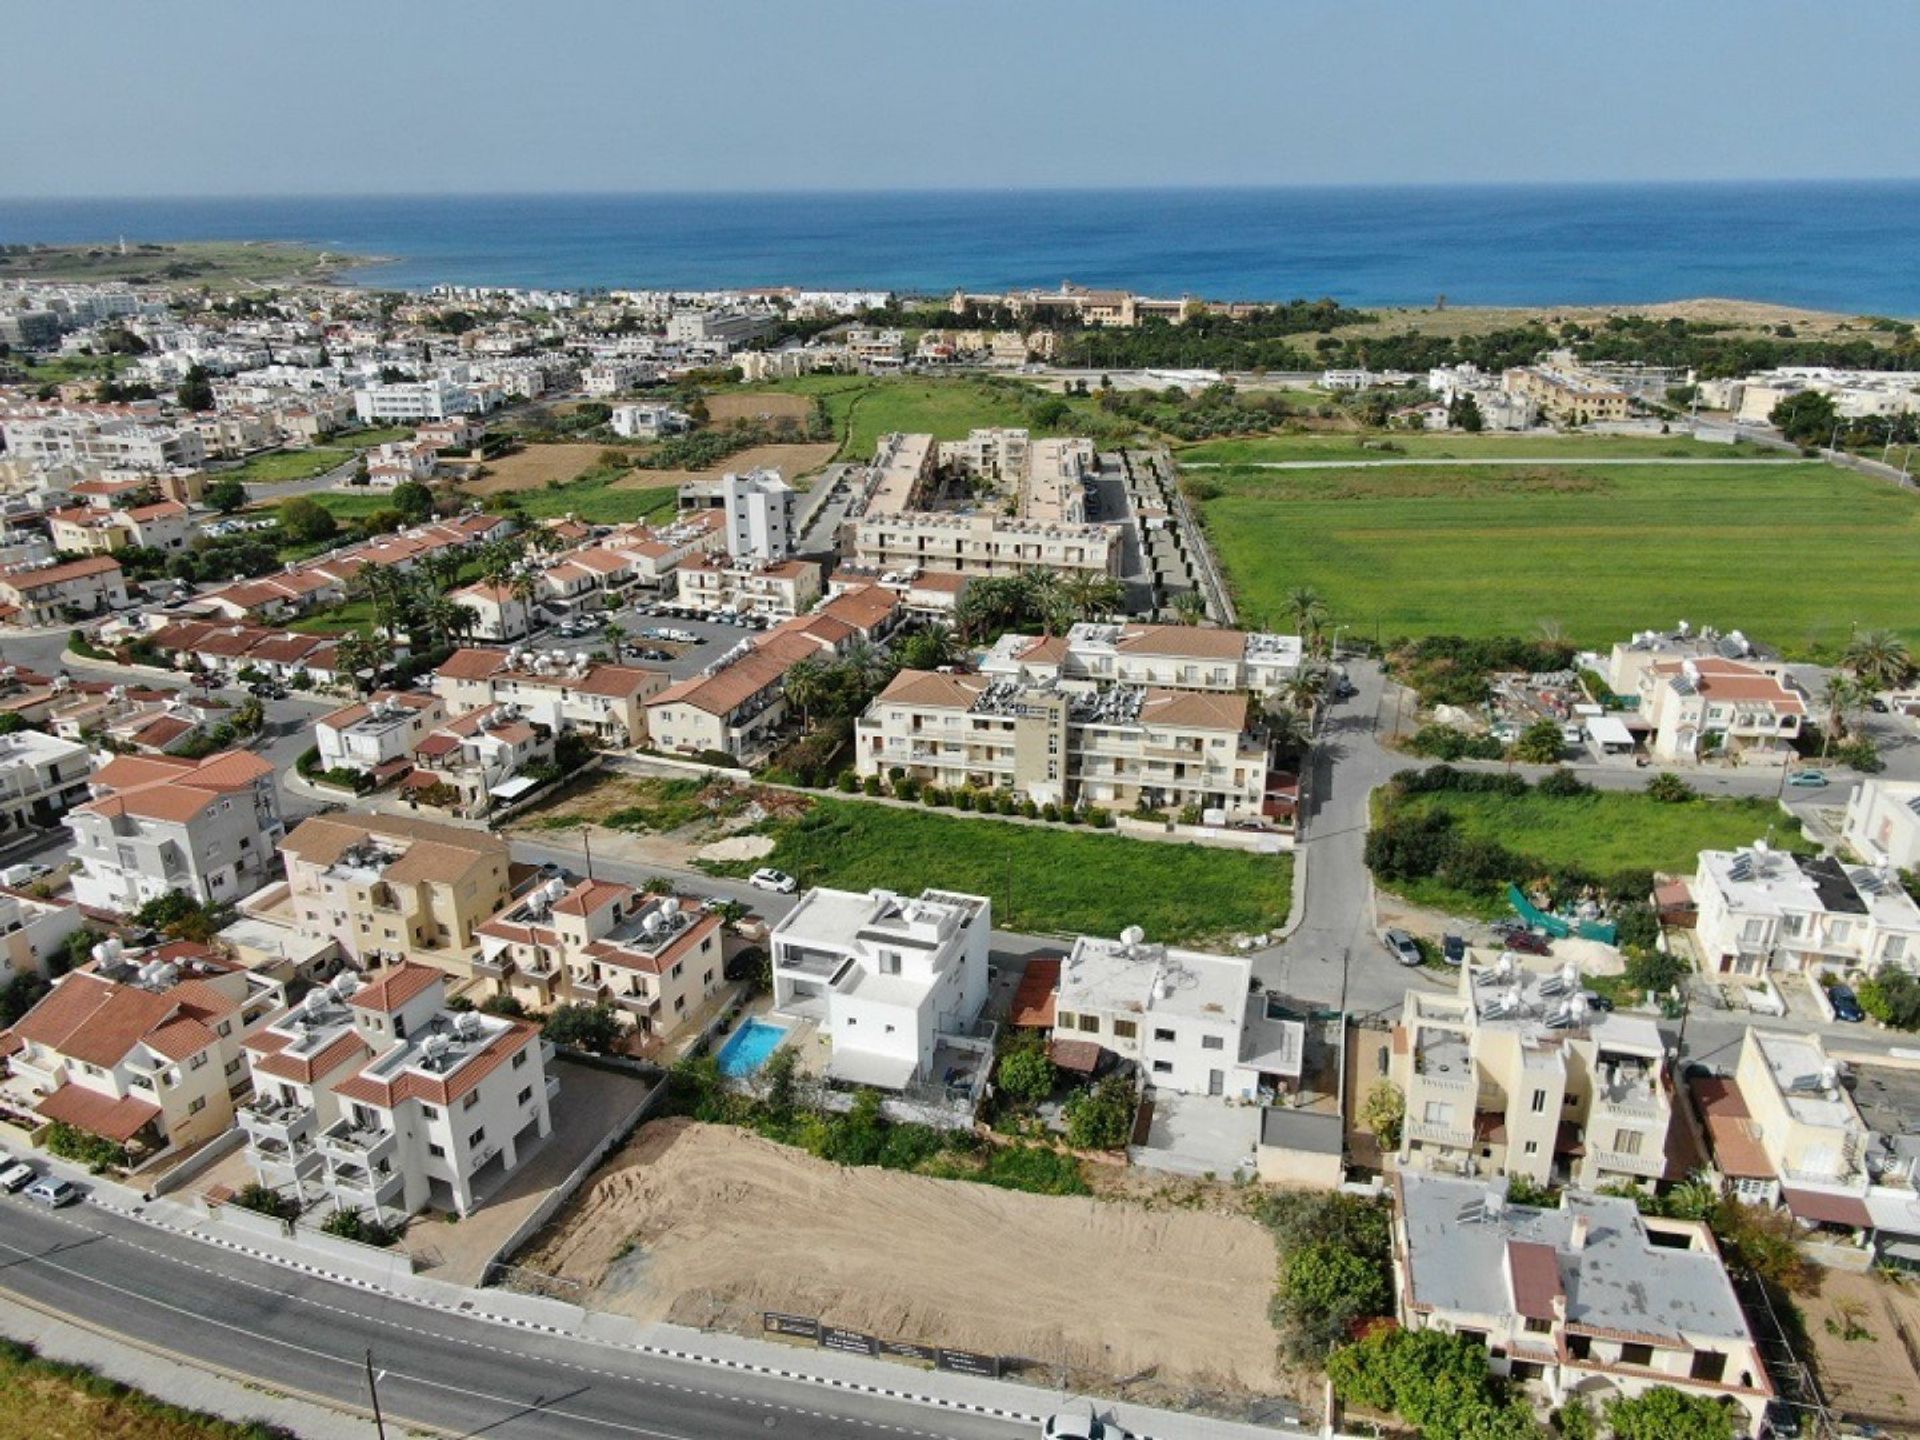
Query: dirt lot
column 532, row 467
column 1872, row 1376
column 727, row 407
column 792, row 461
column 709, row 1226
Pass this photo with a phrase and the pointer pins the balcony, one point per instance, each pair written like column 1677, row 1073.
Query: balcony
column 346, row 1144
column 280, row 1162
column 1650, row 1163
column 357, row 1186
column 1458, row 1136
column 267, row 1119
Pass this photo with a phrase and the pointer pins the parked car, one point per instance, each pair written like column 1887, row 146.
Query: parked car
column 1596, row 1001
column 1808, row 779
column 1526, row 942
column 16, row 1175
column 1453, row 949
column 25, row 874
column 1846, row 1004
column 1404, row 948
column 777, row 881
column 1877, row 705
column 53, row 1192
column 1081, row 1425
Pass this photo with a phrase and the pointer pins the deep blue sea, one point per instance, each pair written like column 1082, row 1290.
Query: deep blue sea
column 1831, row 245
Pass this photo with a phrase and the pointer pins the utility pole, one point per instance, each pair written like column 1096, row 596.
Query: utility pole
column 586, row 839
column 373, row 1390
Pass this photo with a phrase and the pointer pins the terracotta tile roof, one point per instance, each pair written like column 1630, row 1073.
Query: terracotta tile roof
column 395, row 988
column 1533, row 1273
column 439, row 1090
column 1080, row 1056
column 1047, row 650
column 931, row 689
column 346, row 1049
column 64, row 1009
column 91, row 1019
column 950, row 582
column 1034, row 1001
column 1824, row 1208
column 433, row 851
column 619, row 681
column 866, row 609
column 1735, row 1139
column 725, row 692
column 589, row 896
column 471, row 664
column 97, row 1114
column 179, row 1037
column 626, row 957
column 1195, row 709
column 26, row 582
column 604, row 562
column 1731, row 680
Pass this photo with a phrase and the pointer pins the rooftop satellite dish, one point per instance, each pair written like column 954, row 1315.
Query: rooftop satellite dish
column 1132, row 935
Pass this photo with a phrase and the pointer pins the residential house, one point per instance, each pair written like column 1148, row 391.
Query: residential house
column 41, row 778
column 1695, row 709
column 1763, row 909
column 380, row 731
column 481, row 757
column 651, row 957
column 641, row 421
column 37, row 595
column 1590, row 1298
column 1883, row 823
column 158, row 824
column 1568, row 396
column 399, row 462
column 608, row 703
column 390, row 887
column 32, row 932
column 747, row 585
column 85, row 530
column 500, row 615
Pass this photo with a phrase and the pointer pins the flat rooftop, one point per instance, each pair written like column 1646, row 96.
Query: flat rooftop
column 1112, row 975
column 1799, row 1068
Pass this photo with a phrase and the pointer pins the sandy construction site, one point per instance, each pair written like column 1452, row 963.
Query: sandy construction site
column 706, row 1225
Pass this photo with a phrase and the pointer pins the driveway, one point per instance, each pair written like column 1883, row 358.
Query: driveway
column 590, row 1104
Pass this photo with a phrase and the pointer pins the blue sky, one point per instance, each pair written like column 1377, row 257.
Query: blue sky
column 346, row 96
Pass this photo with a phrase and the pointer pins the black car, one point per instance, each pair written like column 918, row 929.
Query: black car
column 1453, row 949
column 1846, row 1004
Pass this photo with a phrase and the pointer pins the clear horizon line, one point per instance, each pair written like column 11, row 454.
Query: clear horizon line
column 1229, row 187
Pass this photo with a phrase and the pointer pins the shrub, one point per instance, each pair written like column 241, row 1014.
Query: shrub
column 1664, row 1413
column 871, row 785
column 1892, row 997
column 906, row 788
column 1448, row 742
column 351, row 1225
column 1050, row 811
column 1026, row 1075
column 1860, row 754
column 1669, row 789
column 593, row 1028
column 847, row 784
column 92, row 1151
column 1383, row 1112
column 1563, row 783
column 1541, row 743
column 1100, row 819
column 1435, row 1380
column 1101, row 1118
column 265, row 1200
column 963, row 798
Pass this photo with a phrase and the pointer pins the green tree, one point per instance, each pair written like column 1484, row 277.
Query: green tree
column 413, row 500
column 1383, row 1112
column 361, row 657
column 1669, row 789
column 593, row 1028
column 265, row 1200
column 1026, row 1075
column 304, row 521
column 927, row 649
column 1323, row 1278
column 226, row 496
column 1879, row 659
column 1807, row 418
column 1101, row 1118
column 1664, row 1413
column 1541, row 743
column 195, row 392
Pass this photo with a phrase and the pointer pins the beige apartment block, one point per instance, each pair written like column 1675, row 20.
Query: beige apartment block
column 391, row 888
column 1568, row 397
column 1515, row 1074
column 983, row 544
column 1170, row 657
column 563, row 690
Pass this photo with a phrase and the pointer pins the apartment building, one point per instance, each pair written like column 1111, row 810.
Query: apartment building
column 1182, row 1018
column 1697, row 708
column 637, row 421
column 158, row 824
column 606, row 378
column 1104, row 308
column 411, row 401
column 1763, row 909
column 902, row 467
column 378, row 731
column 499, row 614
column 748, row 586
column 1168, row 657
column 983, row 544
column 1630, row 659
column 32, row 931
column 895, row 983
column 759, row 510
column 654, row 554
column 41, row 778
column 563, row 691
column 142, row 1049
column 651, row 957
column 102, row 437
column 400, row 462
column 728, row 327
column 1589, row 1298
column 1122, row 746
column 1883, row 823
column 57, row 594
column 1516, row 1075
column 1567, row 396
column 1046, row 478
column 733, row 711
column 393, row 888
column 379, row 1098
column 87, row 530
column 481, row 757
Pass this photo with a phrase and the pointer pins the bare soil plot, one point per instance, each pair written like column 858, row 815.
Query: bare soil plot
column 710, row 1226
column 757, row 405
column 1873, row 1375
column 791, row 461
column 532, row 466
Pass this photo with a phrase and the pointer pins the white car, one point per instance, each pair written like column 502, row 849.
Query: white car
column 53, row 1192
column 777, row 881
column 16, row 1175
column 1081, row 1425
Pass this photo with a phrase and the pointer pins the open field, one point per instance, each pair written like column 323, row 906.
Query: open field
column 866, row 407
column 729, row 405
column 48, row 1400
column 195, row 262
column 277, row 465
column 532, row 466
column 707, row 1225
column 792, row 461
column 601, row 499
column 1380, row 446
column 1042, row 879
column 1871, row 1376
column 1795, row 554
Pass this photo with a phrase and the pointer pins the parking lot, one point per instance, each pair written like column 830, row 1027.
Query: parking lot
column 692, row 645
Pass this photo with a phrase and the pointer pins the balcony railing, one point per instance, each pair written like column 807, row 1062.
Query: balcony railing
column 355, row 1186
column 1457, row 1135
column 1648, row 1162
column 265, row 1119
column 299, row 1161
column 344, row 1143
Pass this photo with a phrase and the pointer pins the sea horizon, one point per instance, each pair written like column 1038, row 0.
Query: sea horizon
column 1819, row 244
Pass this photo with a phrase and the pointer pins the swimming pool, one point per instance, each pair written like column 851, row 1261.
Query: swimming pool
column 748, row 1047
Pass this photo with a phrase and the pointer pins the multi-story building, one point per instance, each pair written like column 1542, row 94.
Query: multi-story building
column 1698, row 708
column 647, row 421
column 158, row 824
column 142, row 1050
column 480, row 757
column 102, row 437
column 41, row 778
column 747, row 585
column 606, row 378
column 983, row 544
column 1763, row 909
column 1046, row 478
column 759, row 510
column 32, row 932
column 729, row 327
column 378, row 731
column 58, row 594
column 1589, row 1298
column 650, row 957
column 1515, row 1074
column 902, row 467
column 87, row 530
column 1568, row 397
column 565, row 692
column 390, row 887
column 1120, row 746
column 405, row 401
column 1182, row 1018
column 499, row 614
column 1883, row 822
column 894, row 982
column 1170, row 657
column 733, row 711
column 386, row 1102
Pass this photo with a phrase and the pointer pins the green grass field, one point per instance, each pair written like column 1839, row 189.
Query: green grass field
column 593, row 499
column 1373, row 445
column 1041, row 880
column 350, row 615
column 1794, row 555
column 866, row 407
column 279, row 465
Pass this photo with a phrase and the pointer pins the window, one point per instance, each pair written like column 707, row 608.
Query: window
column 1163, row 1067
column 476, row 1137
column 1538, row 1327
column 1439, row 1112
column 197, row 1061
column 524, row 1096
column 429, row 1112
column 1533, row 1147
column 1631, row 1354
column 889, row 963
column 519, row 1059
column 1539, row 1102
column 473, row 1099
column 1090, row 1024
column 1125, row 1030
column 197, row 1106
column 1627, row 1142
column 1164, row 1036
column 1213, row 1042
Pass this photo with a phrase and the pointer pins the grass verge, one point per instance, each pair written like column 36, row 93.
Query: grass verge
column 44, row 1399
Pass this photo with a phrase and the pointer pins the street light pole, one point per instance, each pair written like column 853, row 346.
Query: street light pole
column 373, row 1390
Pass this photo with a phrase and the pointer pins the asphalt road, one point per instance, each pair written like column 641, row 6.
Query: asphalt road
column 467, row 1377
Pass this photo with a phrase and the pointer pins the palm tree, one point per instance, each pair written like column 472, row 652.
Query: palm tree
column 462, row 621
column 1843, row 695
column 994, row 602
column 388, row 591
column 807, row 683
column 1190, row 607
column 1286, row 731
column 360, row 653
column 1309, row 609
column 442, row 568
column 1040, row 592
column 1879, row 659
column 524, row 586
column 1086, row 596
column 614, row 634
column 1303, row 692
